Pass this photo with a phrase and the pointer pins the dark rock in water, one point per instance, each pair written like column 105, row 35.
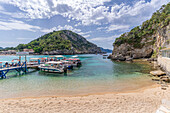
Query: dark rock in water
column 109, row 57
column 165, row 78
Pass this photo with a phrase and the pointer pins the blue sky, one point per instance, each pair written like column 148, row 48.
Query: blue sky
column 99, row 21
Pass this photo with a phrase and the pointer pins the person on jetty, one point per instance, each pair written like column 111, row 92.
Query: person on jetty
column 6, row 64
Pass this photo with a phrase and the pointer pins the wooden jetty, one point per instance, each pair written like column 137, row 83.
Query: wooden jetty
column 19, row 67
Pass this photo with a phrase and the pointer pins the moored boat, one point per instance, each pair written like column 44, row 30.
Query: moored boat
column 67, row 64
column 53, row 67
column 105, row 56
column 74, row 61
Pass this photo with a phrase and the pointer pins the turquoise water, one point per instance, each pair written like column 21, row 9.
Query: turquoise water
column 96, row 75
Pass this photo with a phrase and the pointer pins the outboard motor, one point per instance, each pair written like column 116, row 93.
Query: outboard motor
column 78, row 63
column 71, row 66
column 1, row 75
column 65, row 69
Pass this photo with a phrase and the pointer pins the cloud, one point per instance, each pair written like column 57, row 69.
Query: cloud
column 106, row 15
column 111, row 38
column 66, row 27
column 85, row 33
column 114, row 28
column 86, row 36
column 118, row 27
column 87, row 12
column 17, row 25
column 105, row 42
column 23, row 38
column 1, row 8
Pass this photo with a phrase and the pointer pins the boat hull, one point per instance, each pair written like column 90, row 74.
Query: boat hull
column 50, row 70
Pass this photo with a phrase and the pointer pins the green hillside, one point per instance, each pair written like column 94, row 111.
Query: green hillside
column 160, row 18
column 60, row 40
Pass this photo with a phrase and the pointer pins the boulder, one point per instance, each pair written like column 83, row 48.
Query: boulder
column 165, row 78
column 109, row 57
column 128, row 58
column 157, row 73
column 118, row 57
column 155, row 79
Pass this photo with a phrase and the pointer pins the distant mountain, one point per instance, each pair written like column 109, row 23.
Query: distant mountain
column 61, row 42
column 106, row 50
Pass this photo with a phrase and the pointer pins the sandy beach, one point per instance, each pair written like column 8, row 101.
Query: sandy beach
column 146, row 100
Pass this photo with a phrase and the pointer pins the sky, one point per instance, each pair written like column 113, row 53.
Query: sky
column 99, row 21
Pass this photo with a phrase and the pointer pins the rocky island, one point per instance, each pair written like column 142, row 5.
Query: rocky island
column 61, row 42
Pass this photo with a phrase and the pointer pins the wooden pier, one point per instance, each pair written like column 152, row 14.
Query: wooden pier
column 19, row 67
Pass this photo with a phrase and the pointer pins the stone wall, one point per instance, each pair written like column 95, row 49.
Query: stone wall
column 164, row 62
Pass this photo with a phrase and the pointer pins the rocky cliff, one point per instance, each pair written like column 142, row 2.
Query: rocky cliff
column 144, row 41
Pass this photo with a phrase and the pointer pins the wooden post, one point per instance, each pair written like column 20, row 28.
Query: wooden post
column 20, row 60
column 25, row 63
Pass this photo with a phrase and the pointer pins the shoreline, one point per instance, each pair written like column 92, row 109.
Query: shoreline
column 146, row 100
column 140, row 90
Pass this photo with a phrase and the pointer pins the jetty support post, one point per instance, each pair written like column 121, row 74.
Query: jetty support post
column 24, row 65
column 3, row 75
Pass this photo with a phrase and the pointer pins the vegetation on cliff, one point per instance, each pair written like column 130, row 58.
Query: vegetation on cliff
column 160, row 18
column 60, row 40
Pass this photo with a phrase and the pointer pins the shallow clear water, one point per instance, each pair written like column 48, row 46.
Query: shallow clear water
column 96, row 75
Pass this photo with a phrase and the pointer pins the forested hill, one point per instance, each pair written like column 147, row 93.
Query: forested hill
column 60, row 42
column 146, row 40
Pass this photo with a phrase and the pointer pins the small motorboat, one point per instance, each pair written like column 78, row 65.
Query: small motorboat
column 74, row 61
column 67, row 64
column 53, row 67
column 35, row 61
column 105, row 56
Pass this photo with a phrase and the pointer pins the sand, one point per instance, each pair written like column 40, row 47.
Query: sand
column 140, row 101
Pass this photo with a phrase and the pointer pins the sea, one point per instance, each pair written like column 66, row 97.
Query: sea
column 95, row 76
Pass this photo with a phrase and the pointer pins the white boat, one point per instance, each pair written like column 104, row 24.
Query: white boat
column 53, row 67
column 34, row 61
column 74, row 61
column 67, row 64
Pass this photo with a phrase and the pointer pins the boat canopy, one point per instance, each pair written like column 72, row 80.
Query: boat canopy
column 52, row 56
column 59, row 56
column 75, row 56
column 75, row 59
column 64, row 61
column 15, row 60
column 35, row 58
column 54, row 62
column 4, row 61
